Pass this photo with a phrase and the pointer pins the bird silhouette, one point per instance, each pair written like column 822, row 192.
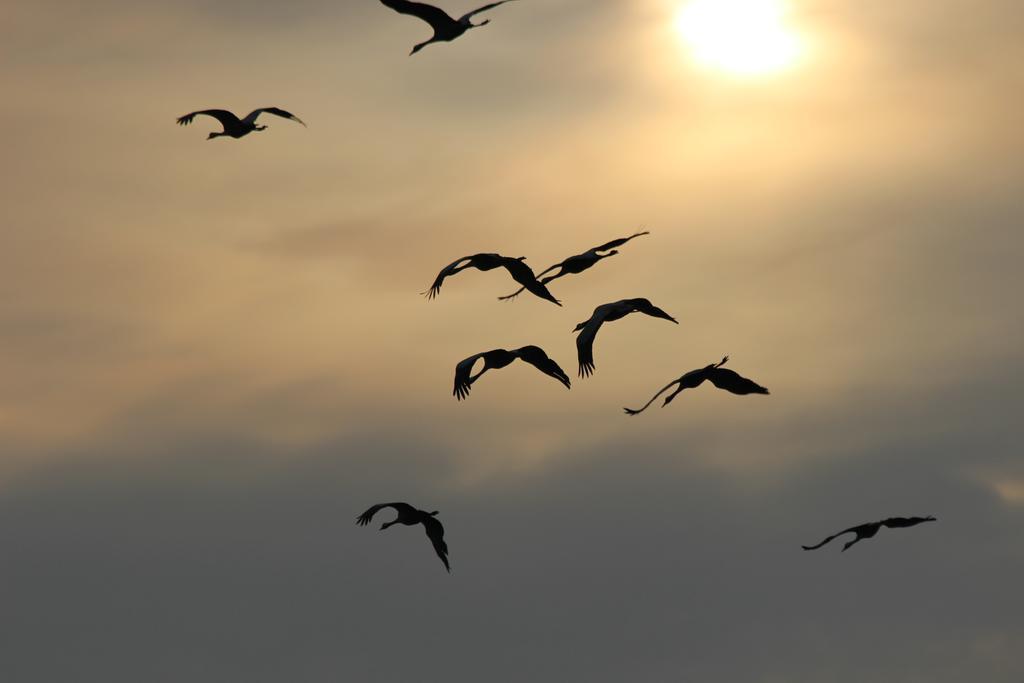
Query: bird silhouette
column 410, row 516
column 606, row 313
column 445, row 27
column 519, row 271
column 868, row 530
column 235, row 127
column 723, row 378
column 500, row 358
column 578, row 263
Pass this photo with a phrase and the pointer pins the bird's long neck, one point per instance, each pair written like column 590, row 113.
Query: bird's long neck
column 422, row 45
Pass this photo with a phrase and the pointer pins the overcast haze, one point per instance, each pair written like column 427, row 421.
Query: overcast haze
column 214, row 354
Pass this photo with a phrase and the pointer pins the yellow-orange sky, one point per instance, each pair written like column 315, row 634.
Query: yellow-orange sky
column 791, row 215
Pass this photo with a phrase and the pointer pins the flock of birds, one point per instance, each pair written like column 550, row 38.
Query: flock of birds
column 446, row 28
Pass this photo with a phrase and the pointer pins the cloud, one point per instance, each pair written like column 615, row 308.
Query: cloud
column 218, row 558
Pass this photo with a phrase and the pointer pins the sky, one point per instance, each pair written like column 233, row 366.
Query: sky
column 215, row 355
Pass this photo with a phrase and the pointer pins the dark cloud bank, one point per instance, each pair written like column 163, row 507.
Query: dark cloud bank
column 221, row 560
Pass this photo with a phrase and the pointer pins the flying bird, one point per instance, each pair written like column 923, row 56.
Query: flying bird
column 868, row 530
column 519, row 271
column 723, row 378
column 579, row 263
column 445, row 27
column 607, row 313
column 234, row 126
column 410, row 516
column 500, row 358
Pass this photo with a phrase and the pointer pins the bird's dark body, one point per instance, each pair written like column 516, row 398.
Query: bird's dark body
column 608, row 313
column 497, row 359
column 410, row 516
column 239, row 132
column 519, row 271
column 574, row 265
column 450, row 32
column 486, row 262
column 734, row 383
column 235, row 127
column 723, row 378
column 446, row 28
column 869, row 530
column 236, row 133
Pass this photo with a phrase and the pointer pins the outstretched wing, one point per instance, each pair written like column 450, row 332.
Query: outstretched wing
column 463, row 379
column 478, row 10
column 619, row 242
column 450, row 269
column 434, row 16
column 536, row 356
column 435, row 532
column 585, row 344
column 251, row 118
column 225, row 117
column 523, row 274
column 733, row 382
column 542, row 281
column 364, row 519
column 631, row 411
column 902, row 522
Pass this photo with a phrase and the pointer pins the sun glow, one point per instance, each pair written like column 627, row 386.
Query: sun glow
column 744, row 37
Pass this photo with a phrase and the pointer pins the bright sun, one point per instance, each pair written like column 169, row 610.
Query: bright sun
column 745, row 37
